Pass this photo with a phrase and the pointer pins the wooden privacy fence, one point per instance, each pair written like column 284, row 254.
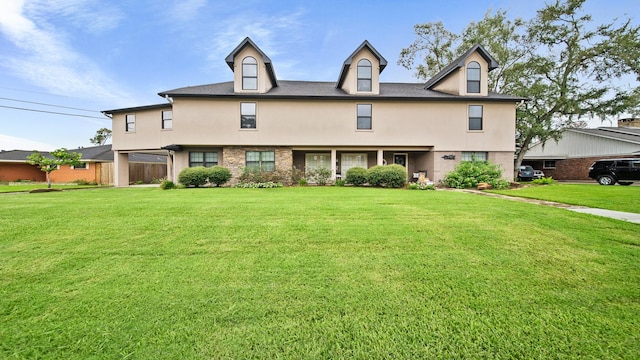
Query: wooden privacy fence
column 145, row 172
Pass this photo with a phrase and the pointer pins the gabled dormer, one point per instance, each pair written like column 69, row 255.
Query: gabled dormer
column 252, row 69
column 360, row 73
column 467, row 75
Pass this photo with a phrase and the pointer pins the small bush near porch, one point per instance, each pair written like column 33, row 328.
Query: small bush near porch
column 312, row 272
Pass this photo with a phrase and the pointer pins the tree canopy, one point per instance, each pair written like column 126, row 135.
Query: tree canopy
column 49, row 164
column 567, row 66
column 102, row 136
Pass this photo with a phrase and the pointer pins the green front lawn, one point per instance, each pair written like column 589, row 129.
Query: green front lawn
column 312, row 273
column 618, row 198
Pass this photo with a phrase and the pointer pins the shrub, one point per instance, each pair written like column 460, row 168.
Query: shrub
column 296, row 175
column 319, row 176
column 84, row 182
column 303, row 182
column 356, row 176
column 339, row 182
column 258, row 185
column 258, row 176
column 375, row 175
column 167, row 185
column 393, row 176
column 420, row 186
column 544, row 181
column 193, row 176
column 218, row 175
column 469, row 174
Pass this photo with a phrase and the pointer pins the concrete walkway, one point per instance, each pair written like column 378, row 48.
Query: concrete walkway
column 631, row 217
column 619, row 215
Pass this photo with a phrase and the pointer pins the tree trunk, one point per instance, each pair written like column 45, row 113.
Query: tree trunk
column 520, row 156
column 48, row 180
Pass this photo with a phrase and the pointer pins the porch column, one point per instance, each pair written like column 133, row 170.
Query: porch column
column 334, row 159
column 380, row 157
column 121, row 169
column 170, row 166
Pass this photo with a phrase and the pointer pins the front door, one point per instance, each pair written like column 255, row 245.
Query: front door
column 400, row 159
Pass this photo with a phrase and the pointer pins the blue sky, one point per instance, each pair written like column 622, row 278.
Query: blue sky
column 85, row 56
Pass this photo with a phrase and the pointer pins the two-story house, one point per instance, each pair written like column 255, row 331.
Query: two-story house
column 258, row 121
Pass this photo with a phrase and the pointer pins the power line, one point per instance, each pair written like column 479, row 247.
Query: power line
column 38, row 103
column 53, row 112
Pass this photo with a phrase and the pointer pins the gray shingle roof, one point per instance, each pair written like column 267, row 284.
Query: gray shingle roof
column 617, row 133
column 100, row 153
column 328, row 90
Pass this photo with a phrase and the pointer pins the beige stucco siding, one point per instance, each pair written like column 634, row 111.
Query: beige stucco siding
column 322, row 123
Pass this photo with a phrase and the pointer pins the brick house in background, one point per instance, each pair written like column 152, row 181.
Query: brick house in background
column 257, row 121
column 571, row 156
column 97, row 166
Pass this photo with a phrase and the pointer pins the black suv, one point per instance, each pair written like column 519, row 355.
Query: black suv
column 610, row 171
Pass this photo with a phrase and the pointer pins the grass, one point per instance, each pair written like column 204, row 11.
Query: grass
column 617, row 198
column 312, row 273
column 22, row 187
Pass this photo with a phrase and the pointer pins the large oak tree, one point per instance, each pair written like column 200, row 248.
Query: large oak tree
column 567, row 66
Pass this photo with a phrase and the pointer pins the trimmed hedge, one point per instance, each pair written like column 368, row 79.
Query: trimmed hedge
column 392, row 176
column 356, row 176
column 193, row 176
column 199, row 176
column 219, row 175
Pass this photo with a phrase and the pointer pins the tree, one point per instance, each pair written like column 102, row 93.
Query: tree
column 49, row 164
column 560, row 61
column 102, row 136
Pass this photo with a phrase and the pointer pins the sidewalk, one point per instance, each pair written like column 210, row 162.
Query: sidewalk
column 631, row 217
column 619, row 215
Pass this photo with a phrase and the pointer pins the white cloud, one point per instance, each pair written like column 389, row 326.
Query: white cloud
column 275, row 35
column 17, row 143
column 44, row 57
column 184, row 10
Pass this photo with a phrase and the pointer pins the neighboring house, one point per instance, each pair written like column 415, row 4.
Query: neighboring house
column 257, row 121
column 97, row 166
column 571, row 156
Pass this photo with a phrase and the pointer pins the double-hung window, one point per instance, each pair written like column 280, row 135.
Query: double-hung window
column 351, row 160
column 473, row 77
column 261, row 160
column 248, row 115
column 249, row 73
column 474, row 156
column 364, row 117
column 130, row 123
column 167, row 121
column 475, row 117
column 203, row 158
column 364, row 75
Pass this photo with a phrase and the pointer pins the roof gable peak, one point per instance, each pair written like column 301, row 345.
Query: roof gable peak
column 347, row 63
column 460, row 62
column 230, row 59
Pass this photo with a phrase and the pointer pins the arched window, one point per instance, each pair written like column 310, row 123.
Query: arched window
column 473, row 77
column 249, row 74
column 364, row 75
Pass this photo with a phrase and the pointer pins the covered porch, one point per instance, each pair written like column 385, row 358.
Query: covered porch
column 417, row 160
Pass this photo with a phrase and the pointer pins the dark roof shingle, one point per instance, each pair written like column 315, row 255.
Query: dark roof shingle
column 328, row 90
